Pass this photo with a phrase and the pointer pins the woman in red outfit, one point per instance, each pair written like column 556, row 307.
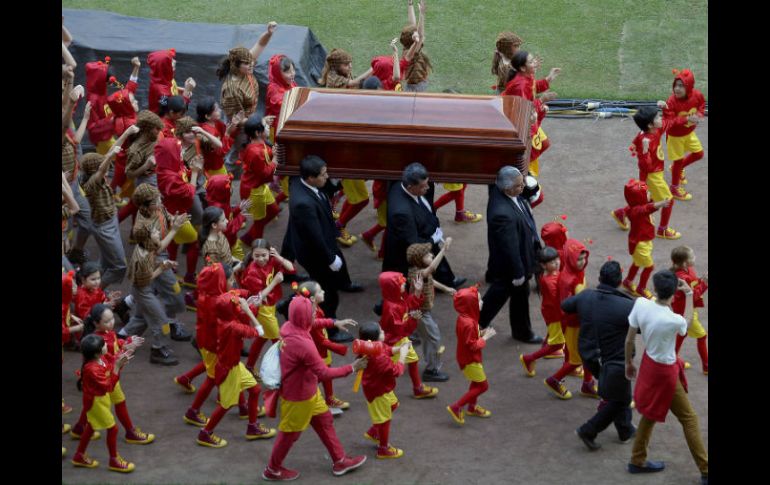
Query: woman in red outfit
column 300, row 399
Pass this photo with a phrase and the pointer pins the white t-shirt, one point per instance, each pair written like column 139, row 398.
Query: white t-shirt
column 659, row 326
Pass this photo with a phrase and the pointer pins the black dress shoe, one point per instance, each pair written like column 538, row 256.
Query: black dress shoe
column 534, row 339
column 341, row 337
column 649, row 467
column 353, row 288
column 458, row 282
column 588, row 441
column 434, row 376
column 162, row 356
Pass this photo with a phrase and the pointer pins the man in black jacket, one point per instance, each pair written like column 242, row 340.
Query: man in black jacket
column 411, row 220
column 311, row 237
column 603, row 316
column 513, row 244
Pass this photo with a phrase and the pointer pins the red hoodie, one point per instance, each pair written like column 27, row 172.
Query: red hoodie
column 177, row 193
column 258, row 167
column 382, row 67
column 85, row 299
column 255, row 278
column 211, row 284
column 120, row 105
column 469, row 343
column 550, row 306
column 100, row 123
column 218, row 194
column 301, row 366
column 231, row 332
column 276, row 88
column 162, row 77
column 98, row 378
column 554, row 234
column 698, row 286
column 570, row 278
column 380, row 374
column 214, row 158
column 679, row 109
column 639, row 214
column 395, row 320
column 527, row 87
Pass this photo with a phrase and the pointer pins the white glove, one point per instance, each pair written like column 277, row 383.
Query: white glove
column 438, row 235
column 260, row 330
column 336, row 264
column 519, row 281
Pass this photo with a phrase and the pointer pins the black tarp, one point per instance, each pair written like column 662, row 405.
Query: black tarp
column 199, row 49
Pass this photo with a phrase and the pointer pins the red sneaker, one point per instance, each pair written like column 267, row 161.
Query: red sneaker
column 243, row 411
column 389, row 452
column 347, row 464
column 84, row 461
column 558, row 388
column 77, row 431
column 578, row 372
column 185, row 384
column 590, row 389
column 668, row 233
column 559, row 354
column 372, row 436
column 467, row 216
column 137, row 437
column 620, row 218
column 425, row 392
column 259, row 431
column 196, row 418
column 282, row 475
column 480, row 412
column 210, row 439
column 118, row 464
column 680, row 194
column 333, row 402
column 458, row 416
column 529, row 367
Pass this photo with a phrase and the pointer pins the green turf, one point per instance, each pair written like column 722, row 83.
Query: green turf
column 612, row 49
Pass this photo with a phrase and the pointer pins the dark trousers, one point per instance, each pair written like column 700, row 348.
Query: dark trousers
column 609, row 412
column 444, row 274
column 518, row 309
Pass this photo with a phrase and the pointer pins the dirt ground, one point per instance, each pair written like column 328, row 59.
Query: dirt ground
column 530, row 435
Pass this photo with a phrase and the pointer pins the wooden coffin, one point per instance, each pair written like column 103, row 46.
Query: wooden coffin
column 375, row 134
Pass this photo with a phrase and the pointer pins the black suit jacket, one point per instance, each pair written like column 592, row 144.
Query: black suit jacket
column 513, row 242
column 408, row 223
column 311, row 233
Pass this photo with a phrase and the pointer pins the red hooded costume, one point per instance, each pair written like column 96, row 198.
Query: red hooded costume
column 276, row 88
column 554, row 234
column 256, row 278
column 679, row 109
column 172, row 177
column 162, row 77
column 698, row 286
column 212, row 283
column 301, row 366
column 382, row 67
column 469, row 343
column 85, row 299
column 218, row 194
column 640, row 209
column 231, row 331
column 527, row 88
column 100, row 123
column 395, row 320
column 380, row 374
column 570, row 278
column 97, row 380
column 258, row 167
column 214, row 158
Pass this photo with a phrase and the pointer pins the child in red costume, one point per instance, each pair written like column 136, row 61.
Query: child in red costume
column 261, row 267
column 571, row 282
column 301, row 404
column 399, row 320
column 124, row 107
column 683, row 260
column 281, row 76
column 210, row 120
column 641, row 235
column 177, row 195
column 379, row 381
column 98, row 377
column 684, row 108
column 380, row 196
column 218, row 194
column 89, row 292
column 100, row 120
column 162, row 83
column 521, row 82
column 647, row 148
column 101, row 321
column 231, row 376
column 258, row 170
column 388, row 68
column 549, row 308
column 68, row 290
column 555, row 234
column 325, row 347
column 470, row 341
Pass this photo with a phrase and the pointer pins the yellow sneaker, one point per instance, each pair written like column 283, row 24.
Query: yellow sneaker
column 459, row 418
column 479, row 412
column 391, row 452
column 346, row 239
column 337, row 403
column 529, row 369
column 669, row 233
column 118, row 464
column 621, row 221
column 467, row 216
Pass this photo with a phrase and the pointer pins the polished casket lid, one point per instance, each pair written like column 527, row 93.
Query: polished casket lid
column 375, row 134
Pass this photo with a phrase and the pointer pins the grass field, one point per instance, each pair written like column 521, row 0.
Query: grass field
column 610, row 49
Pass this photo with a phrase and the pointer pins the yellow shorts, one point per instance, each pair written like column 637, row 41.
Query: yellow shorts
column 382, row 214
column 642, row 256
column 411, row 356
column 539, row 138
column 238, row 380
column 571, row 336
column 260, row 198
column 266, row 318
column 474, row 372
column 658, row 186
column 104, row 146
column 555, row 335
column 355, row 190
column 328, row 358
column 285, row 185
column 696, row 329
column 453, row 187
column 100, row 416
column 186, row 234
column 296, row 415
column 534, row 167
column 222, row 171
column 679, row 145
column 381, row 409
column 209, row 360
column 117, row 396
